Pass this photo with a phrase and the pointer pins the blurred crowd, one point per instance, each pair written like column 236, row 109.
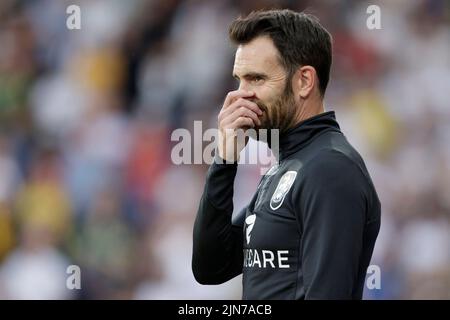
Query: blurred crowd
column 86, row 116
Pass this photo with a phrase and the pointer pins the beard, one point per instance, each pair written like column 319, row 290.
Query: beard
column 281, row 113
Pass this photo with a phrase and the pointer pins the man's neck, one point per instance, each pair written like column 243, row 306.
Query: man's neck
column 310, row 109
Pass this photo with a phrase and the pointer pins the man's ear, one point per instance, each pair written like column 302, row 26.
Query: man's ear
column 305, row 81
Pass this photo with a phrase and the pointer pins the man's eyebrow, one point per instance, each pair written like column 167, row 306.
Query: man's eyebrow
column 251, row 75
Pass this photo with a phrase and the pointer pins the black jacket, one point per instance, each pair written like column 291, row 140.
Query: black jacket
column 309, row 230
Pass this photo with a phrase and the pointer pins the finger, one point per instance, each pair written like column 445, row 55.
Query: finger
column 240, row 112
column 238, row 103
column 233, row 95
column 245, row 112
column 243, row 122
column 245, row 102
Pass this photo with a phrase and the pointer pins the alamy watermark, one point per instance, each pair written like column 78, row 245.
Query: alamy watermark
column 373, row 21
column 191, row 149
column 73, row 21
column 373, row 281
column 73, row 281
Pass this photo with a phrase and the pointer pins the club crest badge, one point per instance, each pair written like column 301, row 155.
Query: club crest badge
column 282, row 189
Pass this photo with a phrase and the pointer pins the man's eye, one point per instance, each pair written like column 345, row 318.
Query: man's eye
column 257, row 79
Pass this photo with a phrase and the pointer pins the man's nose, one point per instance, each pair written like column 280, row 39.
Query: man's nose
column 244, row 85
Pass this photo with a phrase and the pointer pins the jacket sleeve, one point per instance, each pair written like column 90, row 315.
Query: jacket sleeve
column 217, row 242
column 332, row 211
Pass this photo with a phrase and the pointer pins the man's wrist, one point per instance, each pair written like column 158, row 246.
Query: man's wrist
column 219, row 160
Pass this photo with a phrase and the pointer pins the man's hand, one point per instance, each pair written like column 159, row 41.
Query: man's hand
column 237, row 113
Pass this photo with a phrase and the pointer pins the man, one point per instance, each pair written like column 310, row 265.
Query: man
column 310, row 229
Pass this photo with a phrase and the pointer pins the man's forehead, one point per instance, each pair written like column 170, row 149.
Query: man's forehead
column 260, row 54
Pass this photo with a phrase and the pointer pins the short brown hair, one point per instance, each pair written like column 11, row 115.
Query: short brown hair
column 299, row 37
